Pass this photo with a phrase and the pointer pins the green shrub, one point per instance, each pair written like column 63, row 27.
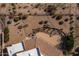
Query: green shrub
column 6, row 34
column 16, row 19
column 68, row 42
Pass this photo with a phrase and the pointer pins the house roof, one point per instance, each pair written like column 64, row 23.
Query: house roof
column 32, row 52
column 15, row 48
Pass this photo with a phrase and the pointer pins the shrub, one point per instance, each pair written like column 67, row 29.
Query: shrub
column 6, row 30
column 45, row 22
column 77, row 17
column 12, row 4
column 6, row 34
column 9, row 22
column 71, row 28
column 63, row 8
column 71, row 22
column 41, row 22
column 50, row 9
column 24, row 17
column 37, row 5
column 68, row 42
column 20, row 14
column 19, row 27
column 14, row 11
column 61, row 22
column 66, row 20
column 16, row 19
column 58, row 17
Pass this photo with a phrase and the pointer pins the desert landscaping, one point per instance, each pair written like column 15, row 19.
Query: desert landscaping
column 53, row 28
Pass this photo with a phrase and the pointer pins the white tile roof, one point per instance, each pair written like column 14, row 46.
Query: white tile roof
column 32, row 52
column 15, row 48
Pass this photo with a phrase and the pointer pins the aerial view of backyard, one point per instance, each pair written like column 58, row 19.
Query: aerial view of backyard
column 39, row 29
